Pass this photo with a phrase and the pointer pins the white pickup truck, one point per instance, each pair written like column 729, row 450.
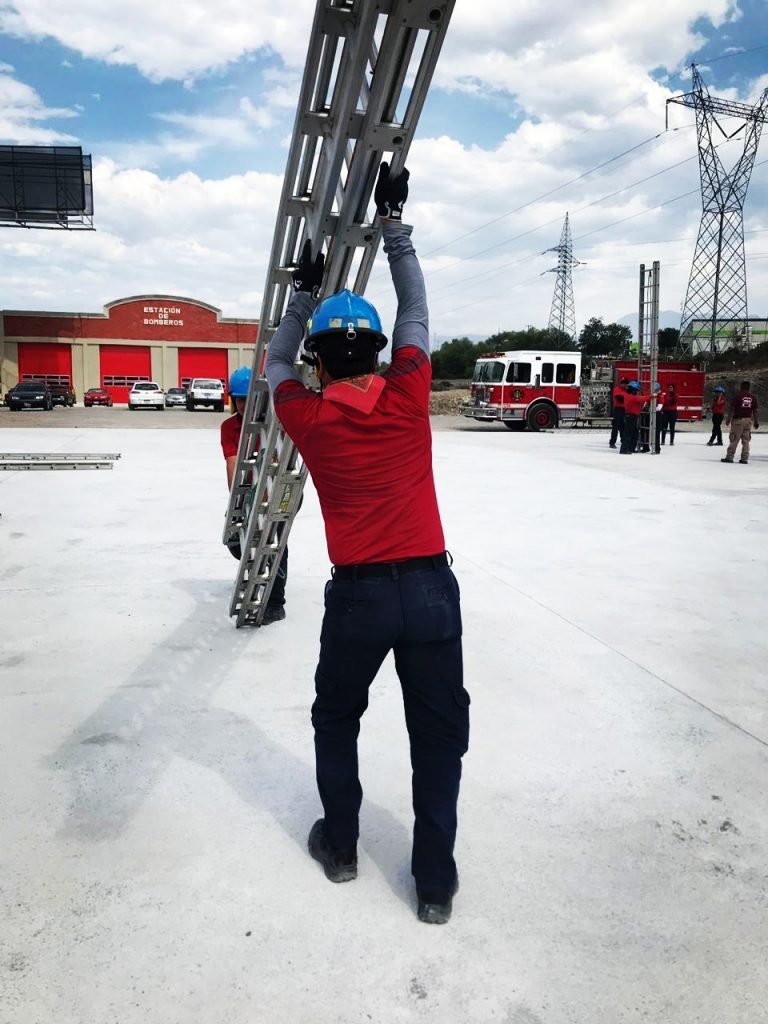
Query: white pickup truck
column 205, row 391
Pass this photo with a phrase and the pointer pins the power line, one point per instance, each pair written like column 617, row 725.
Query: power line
column 605, row 227
column 558, row 188
column 586, row 206
column 736, row 53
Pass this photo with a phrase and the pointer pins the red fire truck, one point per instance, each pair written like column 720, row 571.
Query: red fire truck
column 540, row 390
column 534, row 389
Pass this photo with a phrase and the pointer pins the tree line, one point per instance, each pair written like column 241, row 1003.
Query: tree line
column 455, row 360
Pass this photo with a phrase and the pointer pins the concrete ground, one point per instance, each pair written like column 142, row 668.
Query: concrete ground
column 157, row 764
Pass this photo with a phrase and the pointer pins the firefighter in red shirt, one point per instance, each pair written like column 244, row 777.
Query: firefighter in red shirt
column 669, row 415
column 367, row 443
column 742, row 417
column 633, row 406
column 617, row 427
column 231, row 429
column 718, row 412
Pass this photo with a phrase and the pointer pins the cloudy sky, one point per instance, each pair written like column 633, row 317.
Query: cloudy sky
column 187, row 109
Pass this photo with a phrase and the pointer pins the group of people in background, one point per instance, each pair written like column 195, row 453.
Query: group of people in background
column 631, row 418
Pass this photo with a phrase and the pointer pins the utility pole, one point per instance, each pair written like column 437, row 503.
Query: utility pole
column 716, row 298
column 562, row 315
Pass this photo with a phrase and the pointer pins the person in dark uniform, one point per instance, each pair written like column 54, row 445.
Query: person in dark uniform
column 718, row 412
column 741, row 419
column 618, row 411
column 367, row 443
column 669, row 415
column 231, row 429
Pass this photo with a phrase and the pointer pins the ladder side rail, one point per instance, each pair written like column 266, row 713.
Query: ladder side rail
column 288, row 229
column 320, row 58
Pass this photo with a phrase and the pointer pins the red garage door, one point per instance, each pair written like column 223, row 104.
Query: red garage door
column 47, row 360
column 202, row 362
column 122, row 366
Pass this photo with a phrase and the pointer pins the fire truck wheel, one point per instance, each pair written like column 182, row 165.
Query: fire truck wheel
column 541, row 417
column 514, row 424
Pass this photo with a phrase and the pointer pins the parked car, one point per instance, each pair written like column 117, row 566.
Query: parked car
column 97, row 396
column 207, row 392
column 62, row 394
column 30, row 394
column 146, row 395
column 175, row 396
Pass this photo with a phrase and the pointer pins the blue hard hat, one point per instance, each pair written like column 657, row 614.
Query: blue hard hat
column 719, row 388
column 634, row 385
column 239, row 382
column 657, row 387
column 344, row 315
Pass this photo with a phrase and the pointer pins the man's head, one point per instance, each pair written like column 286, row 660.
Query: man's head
column 239, row 383
column 633, row 386
column 745, row 385
column 624, row 381
column 720, row 388
column 344, row 335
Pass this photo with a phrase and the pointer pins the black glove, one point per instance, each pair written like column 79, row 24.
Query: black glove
column 391, row 192
column 308, row 275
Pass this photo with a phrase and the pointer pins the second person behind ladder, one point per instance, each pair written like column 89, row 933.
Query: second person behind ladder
column 367, row 443
column 231, row 429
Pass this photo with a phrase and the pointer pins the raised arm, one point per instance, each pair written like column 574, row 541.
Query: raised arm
column 284, row 347
column 412, row 322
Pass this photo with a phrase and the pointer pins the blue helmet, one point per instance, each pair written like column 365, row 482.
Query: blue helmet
column 633, row 385
column 719, row 388
column 239, row 382
column 344, row 315
column 657, row 387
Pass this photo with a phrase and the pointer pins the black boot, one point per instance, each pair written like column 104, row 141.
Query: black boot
column 274, row 612
column 435, row 907
column 339, row 866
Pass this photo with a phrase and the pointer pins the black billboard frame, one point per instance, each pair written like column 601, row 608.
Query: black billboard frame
column 46, row 187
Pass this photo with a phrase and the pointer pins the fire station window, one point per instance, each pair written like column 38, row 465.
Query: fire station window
column 547, row 372
column 519, row 373
column 566, row 373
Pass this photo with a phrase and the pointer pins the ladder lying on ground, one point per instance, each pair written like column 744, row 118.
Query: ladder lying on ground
column 366, row 62
column 14, row 461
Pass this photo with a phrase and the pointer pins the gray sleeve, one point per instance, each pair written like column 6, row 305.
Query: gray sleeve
column 284, row 346
column 412, row 323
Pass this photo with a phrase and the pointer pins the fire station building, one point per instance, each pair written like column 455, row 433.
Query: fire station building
column 161, row 338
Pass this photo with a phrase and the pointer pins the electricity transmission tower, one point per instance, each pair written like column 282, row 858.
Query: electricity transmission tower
column 562, row 315
column 716, row 300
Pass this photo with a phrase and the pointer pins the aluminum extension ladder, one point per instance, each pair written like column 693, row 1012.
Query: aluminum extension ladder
column 14, row 461
column 367, row 73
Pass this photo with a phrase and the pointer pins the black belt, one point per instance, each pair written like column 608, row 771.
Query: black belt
column 393, row 569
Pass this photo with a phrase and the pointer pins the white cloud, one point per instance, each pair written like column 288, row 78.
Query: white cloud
column 172, row 39
column 580, row 75
column 23, row 113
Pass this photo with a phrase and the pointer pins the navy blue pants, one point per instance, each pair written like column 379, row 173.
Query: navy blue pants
column 417, row 615
column 629, row 435
column 617, row 427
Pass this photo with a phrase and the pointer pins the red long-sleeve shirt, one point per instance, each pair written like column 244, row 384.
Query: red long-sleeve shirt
column 633, row 404
column 718, row 403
